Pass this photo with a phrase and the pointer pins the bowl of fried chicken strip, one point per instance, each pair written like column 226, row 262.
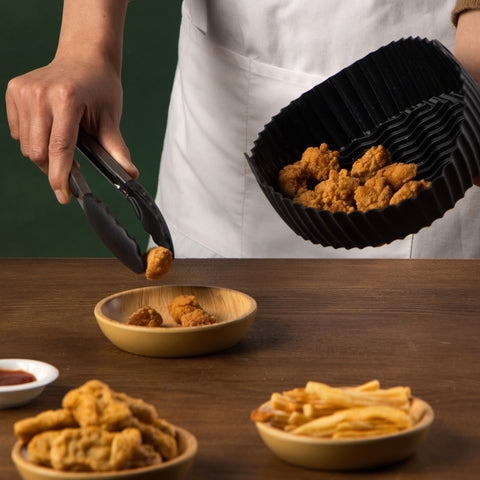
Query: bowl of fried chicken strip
column 100, row 434
column 176, row 320
column 376, row 152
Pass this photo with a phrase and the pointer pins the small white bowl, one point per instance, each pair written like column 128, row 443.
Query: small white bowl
column 18, row 395
column 347, row 454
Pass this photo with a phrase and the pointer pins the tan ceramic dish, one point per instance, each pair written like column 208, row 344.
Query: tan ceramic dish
column 234, row 310
column 175, row 469
column 327, row 454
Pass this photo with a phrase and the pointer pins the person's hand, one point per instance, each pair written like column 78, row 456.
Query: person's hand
column 46, row 106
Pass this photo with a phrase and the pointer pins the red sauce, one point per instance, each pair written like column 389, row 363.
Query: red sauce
column 15, row 377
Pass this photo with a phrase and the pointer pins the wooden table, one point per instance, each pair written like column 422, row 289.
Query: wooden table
column 343, row 322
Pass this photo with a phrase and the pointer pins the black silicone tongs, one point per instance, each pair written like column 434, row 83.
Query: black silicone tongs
column 115, row 237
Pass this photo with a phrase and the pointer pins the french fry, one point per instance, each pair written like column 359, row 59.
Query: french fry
column 396, row 397
column 368, row 387
column 315, row 410
column 374, row 432
column 350, row 417
column 282, row 402
column 297, row 418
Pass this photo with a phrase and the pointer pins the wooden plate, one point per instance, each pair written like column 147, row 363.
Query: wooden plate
column 234, row 310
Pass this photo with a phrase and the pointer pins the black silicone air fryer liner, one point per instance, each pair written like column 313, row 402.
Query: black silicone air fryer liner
column 413, row 97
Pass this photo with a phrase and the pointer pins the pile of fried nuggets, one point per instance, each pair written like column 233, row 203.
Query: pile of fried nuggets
column 317, row 181
column 98, row 430
column 184, row 310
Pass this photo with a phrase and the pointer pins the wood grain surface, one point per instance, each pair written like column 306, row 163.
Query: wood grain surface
column 342, row 322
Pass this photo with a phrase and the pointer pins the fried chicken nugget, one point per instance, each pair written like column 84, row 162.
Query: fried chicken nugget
column 159, row 261
column 397, row 174
column 370, row 162
column 145, row 317
column 181, row 305
column 186, row 311
column 309, row 198
column 93, row 404
column 292, row 179
column 409, row 190
column 49, row 420
column 376, row 193
column 337, row 193
column 319, row 161
column 197, row 318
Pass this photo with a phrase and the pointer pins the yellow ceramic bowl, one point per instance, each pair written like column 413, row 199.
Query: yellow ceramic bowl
column 175, row 469
column 234, row 310
column 328, row 454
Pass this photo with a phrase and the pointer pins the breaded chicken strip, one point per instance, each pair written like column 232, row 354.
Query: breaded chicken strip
column 93, row 404
column 409, row 190
column 397, row 174
column 40, row 446
column 372, row 160
column 162, row 442
column 375, row 193
column 48, row 420
column 94, row 449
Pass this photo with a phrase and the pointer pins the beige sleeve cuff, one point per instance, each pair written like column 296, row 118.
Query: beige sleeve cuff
column 461, row 6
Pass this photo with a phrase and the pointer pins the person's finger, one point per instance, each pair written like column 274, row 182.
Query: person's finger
column 40, row 128
column 24, row 129
column 39, row 142
column 12, row 112
column 17, row 103
column 61, row 148
column 113, row 142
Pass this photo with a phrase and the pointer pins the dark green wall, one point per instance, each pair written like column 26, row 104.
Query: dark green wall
column 32, row 223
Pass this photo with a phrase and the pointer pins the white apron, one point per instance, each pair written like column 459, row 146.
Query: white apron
column 239, row 63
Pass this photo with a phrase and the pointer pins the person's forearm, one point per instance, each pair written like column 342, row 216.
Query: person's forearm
column 467, row 46
column 93, row 29
column 467, row 42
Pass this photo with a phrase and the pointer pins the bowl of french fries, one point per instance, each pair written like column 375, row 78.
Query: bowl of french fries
column 349, row 428
column 176, row 320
